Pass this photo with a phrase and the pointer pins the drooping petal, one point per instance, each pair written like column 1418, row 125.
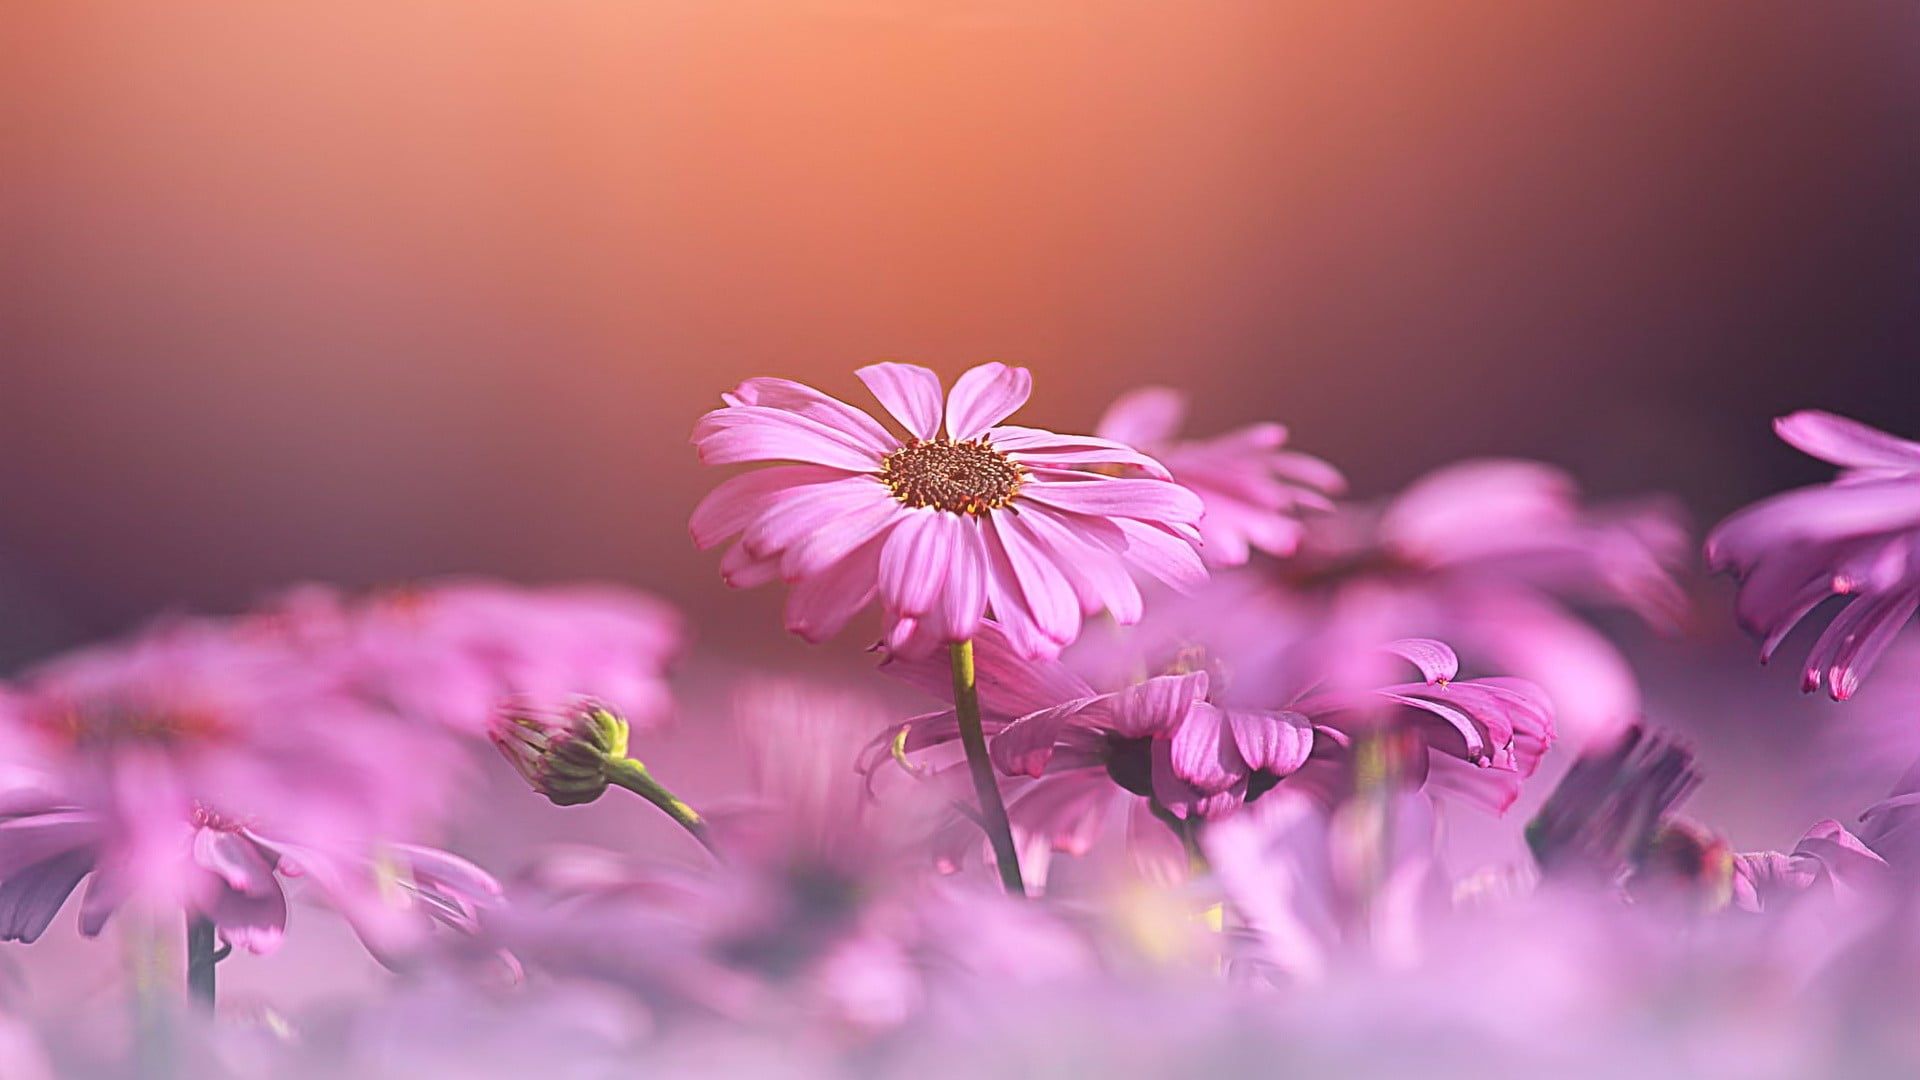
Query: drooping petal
column 910, row 393
column 916, row 558
column 1278, row 742
column 1049, row 599
column 1156, row 706
column 1204, row 752
column 31, row 897
column 1092, row 567
column 985, row 396
column 819, row 606
column 1436, row 661
column 234, row 859
column 1025, row 746
column 255, row 923
column 834, row 541
column 1163, row 556
column 799, row 515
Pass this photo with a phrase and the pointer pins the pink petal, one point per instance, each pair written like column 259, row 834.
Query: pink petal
column 1042, row 449
column 740, row 568
column 1277, row 742
column 1050, row 600
column 31, row 897
column 915, row 560
column 1147, row 500
column 235, row 860
column 819, row 606
column 1025, row 746
column 832, row 542
column 1093, row 568
column 735, row 504
column 798, row 516
column 910, row 393
column 963, row 604
column 1846, row 442
column 1437, row 662
column 750, row 433
column 985, row 396
column 1203, row 754
column 1148, row 416
column 1162, row 555
column 1158, row 705
column 254, row 923
column 805, row 401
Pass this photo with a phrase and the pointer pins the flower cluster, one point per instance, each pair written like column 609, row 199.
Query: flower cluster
column 1211, row 768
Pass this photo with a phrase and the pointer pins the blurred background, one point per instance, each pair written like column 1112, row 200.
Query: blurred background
column 368, row 292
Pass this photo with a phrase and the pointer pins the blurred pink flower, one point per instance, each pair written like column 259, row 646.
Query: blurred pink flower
column 185, row 767
column 1828, row 857
column 942, row 525
column 455, row 650
column 1311, row 881
column 1493, row 556
column 1253, row 490
column 1857, row 537
column 1176, row 746
column 823, row 909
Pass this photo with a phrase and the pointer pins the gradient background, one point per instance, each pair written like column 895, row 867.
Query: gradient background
column 366, row 292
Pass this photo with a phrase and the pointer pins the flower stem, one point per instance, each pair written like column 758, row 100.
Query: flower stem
column 633, row 776
column 993, row 811
column 201, row 959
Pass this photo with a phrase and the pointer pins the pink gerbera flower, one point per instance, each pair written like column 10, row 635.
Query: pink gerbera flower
column 1254, row 490
column 1858, row 537
column 945, row 523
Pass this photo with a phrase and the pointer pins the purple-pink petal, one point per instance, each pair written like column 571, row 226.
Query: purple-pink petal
column 983, row 397
column 910, row 393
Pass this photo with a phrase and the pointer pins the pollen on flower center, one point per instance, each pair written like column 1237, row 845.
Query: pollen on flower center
column 959, row 477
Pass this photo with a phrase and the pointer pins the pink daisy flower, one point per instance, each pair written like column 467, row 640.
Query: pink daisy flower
column 945, row 523
column 1858, row 538
column 1254, row 490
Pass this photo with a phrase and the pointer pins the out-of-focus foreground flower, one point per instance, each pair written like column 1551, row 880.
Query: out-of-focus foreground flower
column 1857, row 537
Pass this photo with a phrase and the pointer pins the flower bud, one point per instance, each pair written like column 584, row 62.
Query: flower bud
column 564, row 755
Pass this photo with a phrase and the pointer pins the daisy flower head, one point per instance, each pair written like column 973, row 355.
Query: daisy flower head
column 961, row 515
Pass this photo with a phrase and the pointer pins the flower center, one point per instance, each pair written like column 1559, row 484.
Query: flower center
column 958, row 477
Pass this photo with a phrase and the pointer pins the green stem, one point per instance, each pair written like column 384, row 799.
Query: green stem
column 630, row 774
column 201, row 959
column 993, row 811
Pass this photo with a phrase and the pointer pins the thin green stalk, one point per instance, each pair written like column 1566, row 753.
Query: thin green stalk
column 993, row 811
column 630, row 774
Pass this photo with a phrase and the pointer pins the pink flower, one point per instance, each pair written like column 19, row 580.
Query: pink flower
column 1857, row 537
column 1183, row 746
column 943, row 524
column 1494, row 557
column 1253, row 490
column 231, row 874
column 455, row 650
column 183, row 768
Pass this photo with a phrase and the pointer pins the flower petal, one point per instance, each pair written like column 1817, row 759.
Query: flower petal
column 31, row 897
column 1846, row 442
column 1203, row 754
column 819, row 605
column 1054, row 608
column 1278, row 742
column 1146, row 500
column 910, row 393
column 804, row 400
column 1157, row 705
column 915, row 560
column 1436, row 661
column 739, row 500
column 1145, row 417
column 753, row 433
column 985, row 396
